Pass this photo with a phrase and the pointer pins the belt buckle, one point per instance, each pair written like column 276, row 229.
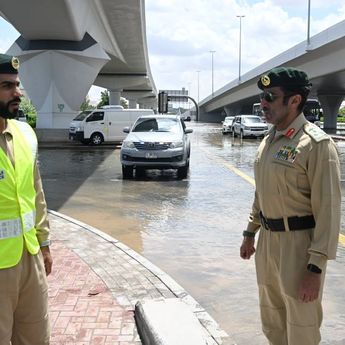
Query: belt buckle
column 263, row 221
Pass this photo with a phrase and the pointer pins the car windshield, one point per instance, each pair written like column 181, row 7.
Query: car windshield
column 228, row 119
column 252, row 119
column 156, row 125
column 81, row 116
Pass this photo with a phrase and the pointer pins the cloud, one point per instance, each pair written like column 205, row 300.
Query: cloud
column 181, row 34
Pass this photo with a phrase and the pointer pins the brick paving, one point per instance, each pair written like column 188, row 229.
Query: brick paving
column 95, row 284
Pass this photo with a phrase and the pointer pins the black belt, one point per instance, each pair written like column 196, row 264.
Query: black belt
column 295, row 223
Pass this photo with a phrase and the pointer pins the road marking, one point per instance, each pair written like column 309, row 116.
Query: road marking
column 240, row 173
column 251, row 181
column 342, row 239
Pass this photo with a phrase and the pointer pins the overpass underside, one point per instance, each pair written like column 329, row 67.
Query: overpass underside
column 67, row 46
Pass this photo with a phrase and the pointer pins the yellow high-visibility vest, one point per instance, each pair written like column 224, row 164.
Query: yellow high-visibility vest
column 17, row 196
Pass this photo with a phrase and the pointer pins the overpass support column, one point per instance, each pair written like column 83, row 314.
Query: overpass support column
column 57, row 76
column 132, row 103
column 330, row 105
column 227, row 111
column 114, row 97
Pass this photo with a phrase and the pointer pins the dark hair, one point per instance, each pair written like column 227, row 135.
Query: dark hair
column 303, row 91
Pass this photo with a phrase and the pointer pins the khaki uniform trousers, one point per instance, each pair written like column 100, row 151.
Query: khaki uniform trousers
column 24, row 302
column 281, row 261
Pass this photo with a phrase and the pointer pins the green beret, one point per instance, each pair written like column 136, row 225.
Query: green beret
column 8, row 64
column 284, row 76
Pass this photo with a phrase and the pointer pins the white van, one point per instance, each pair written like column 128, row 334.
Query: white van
column 104, row 124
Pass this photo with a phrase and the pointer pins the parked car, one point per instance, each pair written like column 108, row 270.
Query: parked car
column 103, row 125
column 249, row 126
column 156, row 142
column 227, row 124
column 21, row 116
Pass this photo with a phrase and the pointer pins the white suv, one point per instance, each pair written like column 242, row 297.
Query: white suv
column 249, row 126
column 156, row 142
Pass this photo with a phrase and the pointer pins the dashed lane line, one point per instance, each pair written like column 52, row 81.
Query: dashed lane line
column 249, row 179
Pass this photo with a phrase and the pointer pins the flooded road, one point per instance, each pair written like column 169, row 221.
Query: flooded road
column 191, row 229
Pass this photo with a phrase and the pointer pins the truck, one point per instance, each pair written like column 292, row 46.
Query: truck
column 104, row 125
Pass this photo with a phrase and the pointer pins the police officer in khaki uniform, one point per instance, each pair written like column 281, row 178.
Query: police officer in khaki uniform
column 25, row 258
column 297, row 208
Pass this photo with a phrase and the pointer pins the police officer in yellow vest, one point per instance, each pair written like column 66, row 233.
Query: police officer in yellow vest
column 25, row 259
column 297, row 210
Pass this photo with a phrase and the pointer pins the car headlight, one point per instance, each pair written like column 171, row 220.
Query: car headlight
column 247, row 128
column 78, row 129
column 176, row 144
column 128, row 144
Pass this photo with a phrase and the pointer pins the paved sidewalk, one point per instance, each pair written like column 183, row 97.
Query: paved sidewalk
column 95, row 284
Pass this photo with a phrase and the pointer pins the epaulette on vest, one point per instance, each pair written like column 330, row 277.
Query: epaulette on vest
column 315, row 132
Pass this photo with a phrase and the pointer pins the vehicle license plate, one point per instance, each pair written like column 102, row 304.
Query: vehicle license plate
column 150, row 155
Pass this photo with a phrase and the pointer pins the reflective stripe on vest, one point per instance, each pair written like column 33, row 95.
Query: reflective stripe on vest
column 10, row 228
column 17, row 196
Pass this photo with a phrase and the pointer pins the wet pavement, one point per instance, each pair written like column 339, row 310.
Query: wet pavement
column 191, row 229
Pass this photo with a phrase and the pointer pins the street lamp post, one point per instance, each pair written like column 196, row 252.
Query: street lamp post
column 212, row 52
column 198, row 84
column 240, row 46
column 308, row 31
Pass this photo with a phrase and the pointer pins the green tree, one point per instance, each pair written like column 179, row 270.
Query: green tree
column 104, row 99
column 29, row 110
column 124, row 103
column 86, row 104
column 342, row 111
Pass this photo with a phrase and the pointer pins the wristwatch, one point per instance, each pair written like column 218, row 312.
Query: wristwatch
column 314, row 269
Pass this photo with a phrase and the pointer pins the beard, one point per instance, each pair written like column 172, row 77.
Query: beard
column 5, row 109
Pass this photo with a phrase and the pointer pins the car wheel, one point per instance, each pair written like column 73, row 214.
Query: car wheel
column 183, row 171
column 139, row 172
column 96, row 139
column 127, row 172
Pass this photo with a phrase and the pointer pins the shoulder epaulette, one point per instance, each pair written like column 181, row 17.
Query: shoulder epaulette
column 315, row 132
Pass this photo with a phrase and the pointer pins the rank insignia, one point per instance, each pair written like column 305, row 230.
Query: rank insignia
column 290, row 132
column 265, row 80
column 2, row 174
column 286, row 153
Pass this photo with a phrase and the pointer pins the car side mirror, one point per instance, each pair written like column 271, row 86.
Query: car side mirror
column 188, row 130
column 125, row 130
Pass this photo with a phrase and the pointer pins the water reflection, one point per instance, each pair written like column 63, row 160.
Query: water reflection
column 191, row 228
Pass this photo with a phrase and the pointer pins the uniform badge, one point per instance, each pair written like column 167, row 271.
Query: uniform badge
column 2, row 174
column 265, row 80
column 286, row 153
column 15, row 62
column 290, row 132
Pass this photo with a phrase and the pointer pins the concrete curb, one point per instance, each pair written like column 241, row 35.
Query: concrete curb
column 213, row 334
column 168, row 322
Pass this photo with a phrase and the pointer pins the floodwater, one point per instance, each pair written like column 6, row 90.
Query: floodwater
column 191, row 229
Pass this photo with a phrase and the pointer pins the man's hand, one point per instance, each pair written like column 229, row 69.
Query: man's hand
column 47, row 259
column 309, row 287
column 247, row 248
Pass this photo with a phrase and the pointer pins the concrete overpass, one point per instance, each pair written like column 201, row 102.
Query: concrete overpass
column 67, row 45
column 324, row 62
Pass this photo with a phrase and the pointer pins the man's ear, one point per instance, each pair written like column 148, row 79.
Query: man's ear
column 296, row 100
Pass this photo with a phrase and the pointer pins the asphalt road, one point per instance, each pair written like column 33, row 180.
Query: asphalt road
column 191, row 228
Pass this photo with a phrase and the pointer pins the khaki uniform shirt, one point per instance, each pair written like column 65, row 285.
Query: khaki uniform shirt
column 297, row 173
column 42, row 224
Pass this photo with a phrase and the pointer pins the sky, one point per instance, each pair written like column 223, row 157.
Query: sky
column 181, row 34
